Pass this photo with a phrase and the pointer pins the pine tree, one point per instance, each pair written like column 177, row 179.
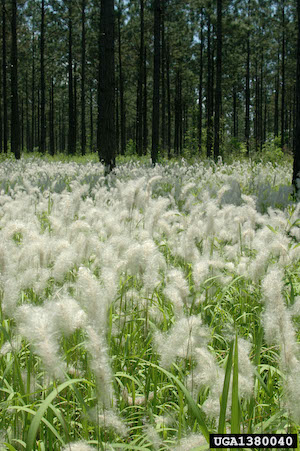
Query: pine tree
column 4, row 79
column 43, row 88
column 156, row 81
column 106, row 124
column 218, row 98
column 15, row 119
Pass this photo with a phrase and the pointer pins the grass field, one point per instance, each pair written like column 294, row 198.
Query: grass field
column 147, row 309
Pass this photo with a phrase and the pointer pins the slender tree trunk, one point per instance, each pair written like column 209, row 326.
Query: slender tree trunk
column 296, row 166
column 121, row 84
column 72, row 125
column 156, row 77
column 91, row 122
column 261, row 134
column 83, row 62
column 33, row 127
column 117, row 123
column 4, row 79
column 51, row 121
column 27, row 113
column 283, row 78
column 139, row 102
column 75, row 105
column 247, row 93
column 169, row 101
column 43, row 116
column 256, row 118
column 265, row 132
column 145, row 100
column 234, row 107
column 218, row 97
column 107, row 86
column 1, row 121
column 200, row 87
column 15, row 119
column 163, row 78
column 98, row 142
column 276, row 106
column 37, row 138
column 209, row 93
column 64, row 134
column 22, row 125
column 177, row 114
column 180, row 113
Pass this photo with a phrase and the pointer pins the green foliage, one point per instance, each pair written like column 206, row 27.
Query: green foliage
column 130, row 148
column 271, row 151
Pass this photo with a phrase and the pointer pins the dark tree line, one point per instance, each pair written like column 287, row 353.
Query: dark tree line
column 203, row 77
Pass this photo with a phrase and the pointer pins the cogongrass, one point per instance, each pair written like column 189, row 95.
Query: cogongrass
column 135, row 309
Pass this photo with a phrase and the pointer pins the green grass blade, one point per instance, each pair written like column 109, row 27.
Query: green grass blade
column 42, row 409
column 46, row 422
column 224, row 398
column 9, row 447
column 235, row 407
column 199, row 415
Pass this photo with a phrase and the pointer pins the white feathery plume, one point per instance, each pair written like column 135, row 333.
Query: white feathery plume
column 99, row 363
column 37, row 325
column 78, row 446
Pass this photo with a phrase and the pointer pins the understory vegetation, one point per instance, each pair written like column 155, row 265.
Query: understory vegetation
column 149, row 308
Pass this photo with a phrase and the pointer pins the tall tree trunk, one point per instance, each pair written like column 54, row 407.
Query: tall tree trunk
column 256, row 118
column 22, row 125
column 33, row 127
column 64, row 134
column 4, row 77
column 27, row 113
column 75, row 104
column 43, row 116
column 91, row 122
column 177, row 113
column 83, row 62
column 1, row 121
column 265, row 132
column 169, row 101
column 260, row 124
column 234, row 108
column 283, row 77
column 15, row 119
column 218, row 97
column 139, row 102
column 163, row 78
column 276, row 106
column 51, row 121
column 296, row 166
column 180, row 113
column 72, row 126
column 107, row 86
column 200, row 87
column 98, row 137
column 121, row 84
column 117, row 123
column 209, row 93
column 38, row 129
column 156, row 77
column 247, row 93
column 145, row 100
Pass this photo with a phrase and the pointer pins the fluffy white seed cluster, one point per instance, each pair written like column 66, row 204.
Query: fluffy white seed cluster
column 279, row 329
column 78, row 446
